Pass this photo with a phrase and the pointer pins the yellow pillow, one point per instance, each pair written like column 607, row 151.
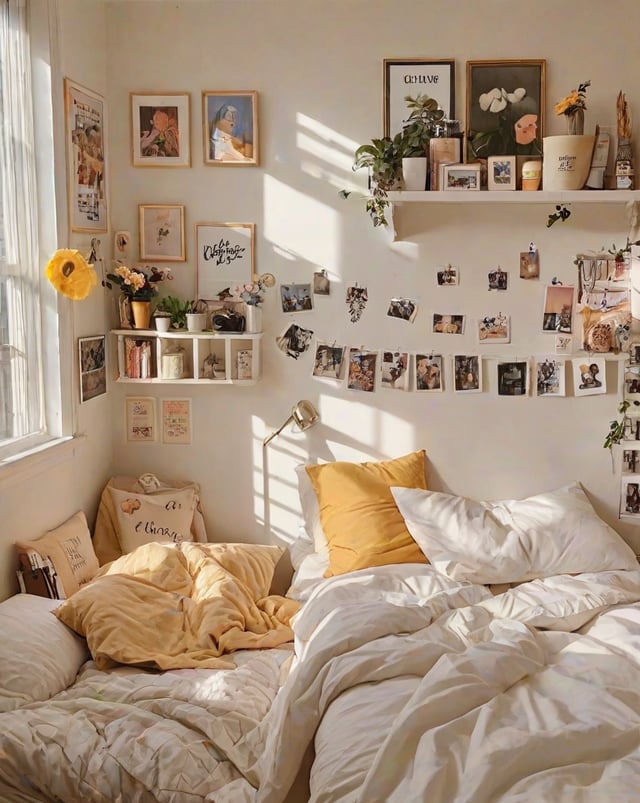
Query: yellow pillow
column 70, row 550
column 359, row 516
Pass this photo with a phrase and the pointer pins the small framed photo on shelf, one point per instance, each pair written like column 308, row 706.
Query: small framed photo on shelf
column 230, row 128
column 162, row 233
column 160, row 130
column 224, row 256
column 501, row 172
column 461, row 176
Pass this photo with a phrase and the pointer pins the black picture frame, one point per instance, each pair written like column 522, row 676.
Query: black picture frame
column 402, row 77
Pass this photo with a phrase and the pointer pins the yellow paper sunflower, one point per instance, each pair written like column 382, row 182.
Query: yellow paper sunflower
column 71, row 274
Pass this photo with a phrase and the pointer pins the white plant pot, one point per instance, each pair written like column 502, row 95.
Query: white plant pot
column 196, row 321
column 163, row 323
column 253, row 318
column 414, row 172
column 566, row 161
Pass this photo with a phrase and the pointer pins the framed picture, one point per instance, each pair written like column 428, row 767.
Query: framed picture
column 87, row 185
column 402, row 77
column 501, row 172
column 429, row 375
column 230, row 128
column 93, row 375
column 140, row 413
column 225, row 255
column 461, row 176
column 505, row 107
column 160, row 130
column 162, row 232
column 176, row 420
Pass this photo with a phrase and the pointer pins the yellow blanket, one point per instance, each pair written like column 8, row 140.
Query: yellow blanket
column 178, row 606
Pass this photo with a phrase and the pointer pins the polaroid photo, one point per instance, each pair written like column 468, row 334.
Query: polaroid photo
column 294, row 341
column 362, row 370
column 498, row 279
column 631, row 461
column 513, row 378
column 530, row 264
column 448, row 324
column 630, row 498
column 589, row 376
column 467, row 373
column 328, row 361
column 494, row 329
column 558, row 309
column 429, row 374
column 296, row 297
column 550, row 376
column 402, row 308
column 395, row 370
column 634, row 353
column 321, row 283
column 447, row 277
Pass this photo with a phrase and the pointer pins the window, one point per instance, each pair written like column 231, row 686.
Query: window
column 30, row 398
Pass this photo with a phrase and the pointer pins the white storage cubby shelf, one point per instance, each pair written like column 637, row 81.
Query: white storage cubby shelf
column 401, row 197
column 207, row 358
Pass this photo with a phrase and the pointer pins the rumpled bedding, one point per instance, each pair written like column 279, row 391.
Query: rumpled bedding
column 410, row 688
column 135, row 736
column 178, row 606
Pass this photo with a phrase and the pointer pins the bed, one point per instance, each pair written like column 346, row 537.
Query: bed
column 429, row 647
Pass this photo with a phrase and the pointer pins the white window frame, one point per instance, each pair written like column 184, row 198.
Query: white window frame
column 55, row 318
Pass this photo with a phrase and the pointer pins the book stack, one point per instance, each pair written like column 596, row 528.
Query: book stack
column 138, row 362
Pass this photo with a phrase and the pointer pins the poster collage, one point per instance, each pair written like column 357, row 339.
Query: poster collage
column 367, row 370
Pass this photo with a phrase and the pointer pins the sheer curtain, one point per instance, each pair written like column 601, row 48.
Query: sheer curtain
column 21, row 392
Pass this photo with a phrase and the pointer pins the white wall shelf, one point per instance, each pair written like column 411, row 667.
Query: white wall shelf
column 178, row 358
column 514, row 196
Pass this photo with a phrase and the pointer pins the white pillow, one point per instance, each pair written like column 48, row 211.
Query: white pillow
column 311, row 512
column 39, row 655
column 512, row 540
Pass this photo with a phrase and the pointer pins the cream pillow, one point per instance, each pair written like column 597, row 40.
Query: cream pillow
column 360, row 520
column 39, row 655
column 70, row 551
column 311, row 512
column 512, row 540
column 145, row 518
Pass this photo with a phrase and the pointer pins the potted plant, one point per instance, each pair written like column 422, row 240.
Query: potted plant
column 421, row 125
column 138, row 288
column 196, row 316
column 383, row 159
column 176, row 309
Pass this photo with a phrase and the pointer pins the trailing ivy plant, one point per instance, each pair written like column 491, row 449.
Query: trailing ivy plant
column 616, row 428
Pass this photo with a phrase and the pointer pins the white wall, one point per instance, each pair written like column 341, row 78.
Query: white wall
column 317, row 67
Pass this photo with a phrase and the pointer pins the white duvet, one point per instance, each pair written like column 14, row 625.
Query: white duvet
column 130, row 736
column 412, row 687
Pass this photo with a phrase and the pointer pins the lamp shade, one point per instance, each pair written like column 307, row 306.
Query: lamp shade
column 303, row 414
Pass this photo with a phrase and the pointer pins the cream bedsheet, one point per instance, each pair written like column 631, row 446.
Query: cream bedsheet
column 428, row 689
column 130, row 736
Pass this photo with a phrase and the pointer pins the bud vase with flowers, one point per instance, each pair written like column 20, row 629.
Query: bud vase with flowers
column 572, row 107
column 567, row 158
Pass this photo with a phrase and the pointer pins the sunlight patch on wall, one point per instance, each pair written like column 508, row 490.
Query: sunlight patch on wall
column 330, row 154
column 300, row 225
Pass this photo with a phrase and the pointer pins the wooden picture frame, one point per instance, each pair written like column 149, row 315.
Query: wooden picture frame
column 402, row 77
column 161, row 232
column 87, row 173
column 160, row 129
column 93, row 372
column 224, row 257
column 230, row 128
column 505, row 104
column 461, row 177
column 501, row 173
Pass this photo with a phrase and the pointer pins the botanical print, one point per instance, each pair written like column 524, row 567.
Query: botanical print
column 86, row 160
column 402, row 308
column 294, row 341
column 162, row 233
column 467, row 373
column 328, row 361
column 362, row 370
column 357, row 298
column 550, row 376
column 395, row 373
column 230, row 128
column 429, row 372
column 513, row 378
column 589, row 376
column 494, row 329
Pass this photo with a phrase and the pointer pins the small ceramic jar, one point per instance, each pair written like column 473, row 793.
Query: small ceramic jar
column 531, row 174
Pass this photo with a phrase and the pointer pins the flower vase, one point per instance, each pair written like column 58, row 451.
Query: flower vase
column 253, row 318
column 575, row 122
column 141, row 311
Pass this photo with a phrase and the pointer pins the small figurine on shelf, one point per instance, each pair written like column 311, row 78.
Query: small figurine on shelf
column 624, row 156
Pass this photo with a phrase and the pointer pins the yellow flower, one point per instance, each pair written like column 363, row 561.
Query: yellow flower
column 71, row 274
